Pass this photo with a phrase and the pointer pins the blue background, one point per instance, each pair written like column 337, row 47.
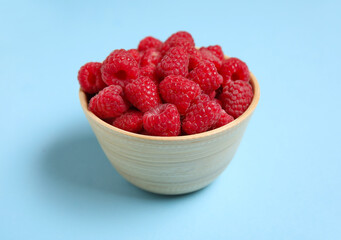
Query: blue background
column 284, row 182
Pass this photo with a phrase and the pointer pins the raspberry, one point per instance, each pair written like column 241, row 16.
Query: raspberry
column 135, row 54
column 119, row 68
column 212, row 94
column 149, row 42
column 217, row 51
column 193, row 53
column 223, row 120
column 201, row 115
column 217, row 101
column 234, row 69
column 176, row 42
column 109, row 102
column 208, row 55
column 163, row 120
column 149, row 71
column 175, row 62
column 90, row 78
column 179, row 91
column 181, row 34
column 130, row 121
column 194, row 57
column 207, row 76
column 150, row 57
column 236, row 97
column 143, row 94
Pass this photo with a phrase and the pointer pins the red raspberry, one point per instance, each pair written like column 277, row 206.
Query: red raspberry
column 135, row 54
column 163, row 120
column 180, row 34
column 223, row 120
column 109, row 102
column 150, row 57
column 90, row 78
column 149, row 42
column 208, row 55
column 207, row 76
column 234, row 69
column 194, row 58
column 142, row 93
column 236, row 97
column 212, row 95
column 130, row 121
column 176, row 42
column 217, row 101
column 119, row 68
column 201, row 115
column 179, row 91
column 175, row 62
column 149, row 71
column 193, row 53
column 217, row 51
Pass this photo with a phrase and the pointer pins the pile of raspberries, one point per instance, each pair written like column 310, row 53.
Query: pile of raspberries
column 167, row 88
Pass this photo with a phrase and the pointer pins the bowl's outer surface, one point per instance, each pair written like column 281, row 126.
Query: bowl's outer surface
column 171, row 165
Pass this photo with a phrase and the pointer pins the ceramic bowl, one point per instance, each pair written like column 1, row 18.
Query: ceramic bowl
column 171, row 165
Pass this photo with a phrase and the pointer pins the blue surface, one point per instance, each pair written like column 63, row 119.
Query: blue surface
column 284, row 182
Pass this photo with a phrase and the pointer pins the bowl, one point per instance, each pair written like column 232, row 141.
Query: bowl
column 171, row 165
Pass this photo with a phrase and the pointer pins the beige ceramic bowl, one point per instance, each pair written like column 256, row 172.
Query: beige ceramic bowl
column 171, row 165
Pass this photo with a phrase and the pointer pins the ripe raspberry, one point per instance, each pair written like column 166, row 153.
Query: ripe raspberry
column 208, row 55
column 135, row 54
column 130, row 121
column 217, row 101
column 179, row 91
column 109, row 102
column 194, row 58
column 193, row 53
column 201, row 115
column 175, row 62
column 207, row 76
column 150, row 57
column 212, row 95
column 181, row 34
column 142, row 93
column 236, row 97
column 223, row 120
column 150, row 72
column 90, row 78
column 149, row 42
column 119, row 68
column 176, row 42
column 234, row 69
column 163, row 120
column 217, row 51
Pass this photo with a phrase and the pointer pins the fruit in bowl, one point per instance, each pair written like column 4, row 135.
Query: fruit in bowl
column 168, row 115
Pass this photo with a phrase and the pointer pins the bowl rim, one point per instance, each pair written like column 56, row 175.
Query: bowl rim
column 241, row 118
